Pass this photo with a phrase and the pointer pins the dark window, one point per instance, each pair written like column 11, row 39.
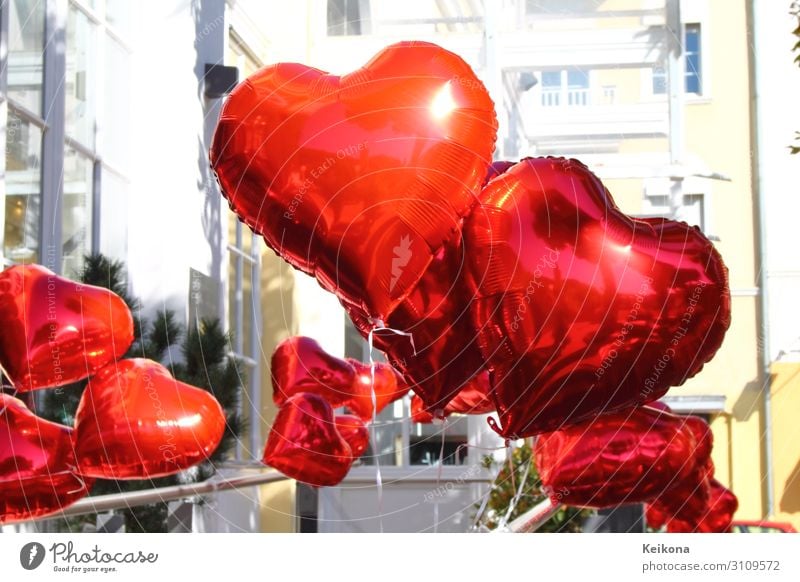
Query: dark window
column 692, row 55
column 344, row 17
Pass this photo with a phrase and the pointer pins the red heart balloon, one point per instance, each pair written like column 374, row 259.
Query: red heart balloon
column 299, row 364
column 687, row 498
column 56, row 331
column 354, row 432
column 622, row 457
column 358, row 179
column 37, row 465
column 388, row 387
column 583, row 310
column 716, row 518
column 304, row 443
column 444, row 355
column 136, row 421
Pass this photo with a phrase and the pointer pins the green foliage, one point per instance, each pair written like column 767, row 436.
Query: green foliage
column 206, row 364
column 505, row 487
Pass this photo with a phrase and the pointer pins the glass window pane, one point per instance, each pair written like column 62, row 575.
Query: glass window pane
column 551, row 79
column 25, row 52
column 116, row 120
column 76, row 220
column 577, row 78
column 114, row 216
column 80, row 76
column 23, row 190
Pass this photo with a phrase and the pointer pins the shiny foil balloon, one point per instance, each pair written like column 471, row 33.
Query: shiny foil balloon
column 136, row 421
column 299, row 364
column 56, row 331
column 687, row 498
column 444, row 355
column 357, row 179
column 354, row 432
column 474, row 398
column 717, row 517
column 580, row 309
column 622, row 457
column 304, row 443
column 387, row 385
column 37, row 465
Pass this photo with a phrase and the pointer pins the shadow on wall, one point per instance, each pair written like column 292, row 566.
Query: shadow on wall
column 790, row 500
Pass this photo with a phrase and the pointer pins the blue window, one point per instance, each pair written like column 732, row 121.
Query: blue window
column 692, row 59
column 692, row 54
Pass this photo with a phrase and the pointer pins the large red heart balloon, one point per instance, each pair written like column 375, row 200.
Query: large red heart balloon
column 354, row 432
column 581, row 309
column 444, row 355
column 622, row 457
column 357, row 179
column 136, row 421
column 304, row 443
column 56, row 331
column 299, row 364
column 717, row 517
column 37, row 465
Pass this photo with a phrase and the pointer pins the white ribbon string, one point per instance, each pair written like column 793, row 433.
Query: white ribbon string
column 513, row 503
column 439, row 479
column 379, row 326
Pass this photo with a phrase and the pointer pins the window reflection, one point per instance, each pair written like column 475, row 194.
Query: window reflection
column 23, row 190
column 76, row 220
column 25, row 52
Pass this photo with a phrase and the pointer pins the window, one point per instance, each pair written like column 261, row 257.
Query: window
column 344, row 17
column 52, row 146
column 244, row 271
column 692, row 65
column 565, row 88
column 692, row 58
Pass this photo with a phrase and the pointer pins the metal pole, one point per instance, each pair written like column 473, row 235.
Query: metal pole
column 675, row 80
column 102, row 503
column 534, row 518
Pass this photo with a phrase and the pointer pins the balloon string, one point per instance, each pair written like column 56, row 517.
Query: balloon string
column 513, row 503
column 379, row 326
column 439, row 478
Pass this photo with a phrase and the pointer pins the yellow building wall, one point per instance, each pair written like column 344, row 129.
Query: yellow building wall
column 785, row 438
column 278, row 322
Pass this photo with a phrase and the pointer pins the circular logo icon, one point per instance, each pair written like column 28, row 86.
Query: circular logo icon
column 31, row 555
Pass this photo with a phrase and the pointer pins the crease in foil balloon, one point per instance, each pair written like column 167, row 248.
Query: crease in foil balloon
column 379, row 326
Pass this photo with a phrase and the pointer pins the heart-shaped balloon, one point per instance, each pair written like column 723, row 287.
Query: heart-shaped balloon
column 387, row 385
column 136, row 421
column 622, row 457
column 444, row 355
column 688, row 497
column 37, row 465
column 304, row 443
column 357, row 179
column 354, row 432
column 717, row 517
column 580, row 309
column 299, row 364
column 57, row 331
